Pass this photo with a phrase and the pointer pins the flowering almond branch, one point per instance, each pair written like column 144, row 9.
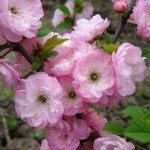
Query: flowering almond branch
column 124, row 20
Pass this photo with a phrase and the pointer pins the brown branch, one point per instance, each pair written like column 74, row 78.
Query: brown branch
column 124, row 20
column 19, row 48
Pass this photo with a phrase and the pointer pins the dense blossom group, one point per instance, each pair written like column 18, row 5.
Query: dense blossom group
column 58, row 97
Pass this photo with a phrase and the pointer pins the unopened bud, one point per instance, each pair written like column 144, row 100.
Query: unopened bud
column 120, row 6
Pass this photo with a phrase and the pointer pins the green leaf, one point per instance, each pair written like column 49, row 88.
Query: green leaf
column 136, row 112
column 44, row 30
column 49, row 54
column 51, row 43
column 36, row 64
column 110, row 48
column 114, row 128
column 139, row 129
column 64, row 9
column 2, row 47
column 64, row 25
column 145, row 52
column 108, row 37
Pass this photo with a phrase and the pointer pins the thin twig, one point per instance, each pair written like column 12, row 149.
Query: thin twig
column 6, row 131
column 124, row 20
column 6, row 53
column 19, row 48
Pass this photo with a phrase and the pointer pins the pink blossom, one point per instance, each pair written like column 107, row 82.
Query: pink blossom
column 20, row 18
column 94, row 75
column 38, row 100
column 94, row 120
column 112, row 142
column 73, row 103
column 44, row 145
column 66, row 135
column 129, row 67
column 8, row 73
column 88, row 30
column 59, row 16
column 69, row 53
column 141, row 17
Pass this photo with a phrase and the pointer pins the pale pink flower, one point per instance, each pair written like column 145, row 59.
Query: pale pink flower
column 59, row 16
column 8, row 73
column 44, row 145
column 112, row 142
column 38, row 100
column 69, row 53
column 73, row 103
column 88, row 30
column 129, row 67
column 94, row 75
column 86, row 13
column 66, row 135
column 20, row 18
column 141, row 17
column 94, row 120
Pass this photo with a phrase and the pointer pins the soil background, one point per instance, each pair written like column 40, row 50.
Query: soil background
column 19, row 136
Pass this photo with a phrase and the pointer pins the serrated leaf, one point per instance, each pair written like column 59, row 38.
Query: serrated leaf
column 44, row 30
column 36, row 64
column 64, row 9
column 51, row 43
column 110, row 48
column 136, row 112
column 139, row 129
column 64, row 25
column 114, row 128
column 49, row 54
column 108, row 38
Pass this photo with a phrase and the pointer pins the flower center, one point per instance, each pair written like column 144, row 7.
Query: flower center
column 94, row 76
column 72, row 94
column 13, row 10
column 42, row 98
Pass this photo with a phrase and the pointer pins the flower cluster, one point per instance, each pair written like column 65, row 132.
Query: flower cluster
column 57, row 95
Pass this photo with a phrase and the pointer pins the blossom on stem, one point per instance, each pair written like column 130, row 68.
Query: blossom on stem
column 66, row 135
column 38, row 100
column 94, row 75
column 88, row 30
column 129, row 67
column 19, row 18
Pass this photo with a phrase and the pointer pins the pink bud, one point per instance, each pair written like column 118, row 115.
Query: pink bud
column 120, row 6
